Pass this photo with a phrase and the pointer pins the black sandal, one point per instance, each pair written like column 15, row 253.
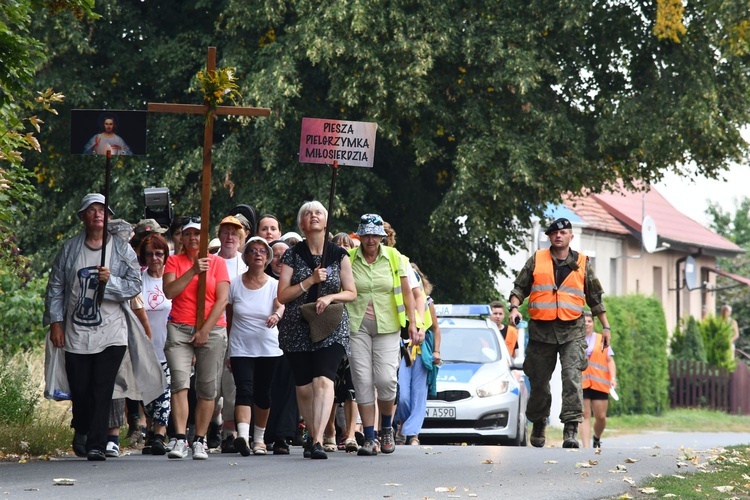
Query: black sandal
column 280, row 448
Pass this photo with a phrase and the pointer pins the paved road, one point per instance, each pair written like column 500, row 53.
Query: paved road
column 411, row 472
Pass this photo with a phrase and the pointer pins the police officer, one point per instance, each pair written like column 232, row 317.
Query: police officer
column 559, row 283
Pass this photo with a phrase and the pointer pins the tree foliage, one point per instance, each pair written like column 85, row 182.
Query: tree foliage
column 735, row 226
column 486, row 110
column 717, row 335
column 21, row 56
column 639, row 340
column 688, row 344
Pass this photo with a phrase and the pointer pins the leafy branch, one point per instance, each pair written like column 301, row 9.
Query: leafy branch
column 216, row 86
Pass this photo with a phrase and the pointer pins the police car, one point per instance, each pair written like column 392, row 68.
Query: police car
column 481, row 390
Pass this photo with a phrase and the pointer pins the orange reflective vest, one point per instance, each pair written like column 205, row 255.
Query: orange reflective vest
column 511, row 338
column 547, row 302
column 597, row 375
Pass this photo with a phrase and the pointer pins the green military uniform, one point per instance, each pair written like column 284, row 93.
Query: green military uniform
column 548, row 339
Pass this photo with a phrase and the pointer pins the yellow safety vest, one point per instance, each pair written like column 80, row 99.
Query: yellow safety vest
column 393, row 258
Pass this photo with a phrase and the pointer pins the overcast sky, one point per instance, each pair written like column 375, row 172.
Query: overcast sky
column 691, row 197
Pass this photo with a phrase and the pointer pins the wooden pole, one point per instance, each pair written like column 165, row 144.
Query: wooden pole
column 107, row 181
column 330, row 212
column 208, row 135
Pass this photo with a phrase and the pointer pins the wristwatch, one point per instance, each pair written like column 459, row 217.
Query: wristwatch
column 511, row 307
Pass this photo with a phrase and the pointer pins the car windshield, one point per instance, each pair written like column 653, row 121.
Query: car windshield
column 469, row 345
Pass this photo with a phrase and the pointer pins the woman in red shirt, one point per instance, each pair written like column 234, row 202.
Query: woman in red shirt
column 207, row 344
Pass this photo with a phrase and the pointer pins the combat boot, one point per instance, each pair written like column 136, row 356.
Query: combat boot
column 569, row 435
column 537, row 434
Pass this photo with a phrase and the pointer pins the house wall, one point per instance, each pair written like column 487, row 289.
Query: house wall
column 604, row 251
column 656, row 275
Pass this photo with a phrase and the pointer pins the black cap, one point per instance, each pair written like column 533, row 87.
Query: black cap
column 559, row 224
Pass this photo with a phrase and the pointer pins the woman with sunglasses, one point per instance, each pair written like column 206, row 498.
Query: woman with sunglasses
column 306, row 278
column 184, row 341
column 252, row 313
column 154, row 252
column 232, row 239
column 377, row 315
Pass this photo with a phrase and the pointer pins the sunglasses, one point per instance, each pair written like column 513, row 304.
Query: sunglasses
column 193, row 218
column 371, row 219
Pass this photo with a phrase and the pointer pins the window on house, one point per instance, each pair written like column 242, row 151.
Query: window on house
column 657, row 279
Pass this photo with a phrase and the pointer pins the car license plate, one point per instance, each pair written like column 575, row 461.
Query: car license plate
column 444, row 412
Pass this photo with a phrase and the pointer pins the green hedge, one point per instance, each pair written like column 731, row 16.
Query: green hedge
column 21, row 310
column 639, row 341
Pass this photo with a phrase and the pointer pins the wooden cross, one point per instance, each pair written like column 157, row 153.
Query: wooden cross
column 208, row 134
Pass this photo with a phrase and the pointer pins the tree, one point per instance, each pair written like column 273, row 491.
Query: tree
column 22, row 56
column 689, row 344
column 735, row 227
column 717, row 335
column 486, row 111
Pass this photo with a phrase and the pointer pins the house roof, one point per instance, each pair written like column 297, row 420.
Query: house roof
column 554, row 212
column 673, row 227
column 595, row 215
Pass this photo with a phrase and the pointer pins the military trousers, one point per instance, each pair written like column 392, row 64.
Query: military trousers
column 540, row 362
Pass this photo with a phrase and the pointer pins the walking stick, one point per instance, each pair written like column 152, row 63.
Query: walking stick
column 330, row 211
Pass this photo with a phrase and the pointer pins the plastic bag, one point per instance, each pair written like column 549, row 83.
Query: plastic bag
column 56, row 385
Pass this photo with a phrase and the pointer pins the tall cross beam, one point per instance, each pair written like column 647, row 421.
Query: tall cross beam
column 208, row 134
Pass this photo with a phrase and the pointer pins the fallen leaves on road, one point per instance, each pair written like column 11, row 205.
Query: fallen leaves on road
column 488, row 461
column 63, row 481
column 629, row 480
column 391, row 484
column 678, row 476
column 586, row 465
column 445, row 489
column 632, row 460
column 619, row 469
column 550, row 461
column 648, row 491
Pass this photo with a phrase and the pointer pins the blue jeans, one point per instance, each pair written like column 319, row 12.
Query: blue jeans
column 412, row 399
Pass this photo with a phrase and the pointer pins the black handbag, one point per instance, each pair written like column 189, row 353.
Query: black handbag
column 405, row 331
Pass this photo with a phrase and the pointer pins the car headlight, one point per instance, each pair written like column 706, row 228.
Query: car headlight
column 493, row 388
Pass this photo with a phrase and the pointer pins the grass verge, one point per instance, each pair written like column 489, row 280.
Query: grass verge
column 679, row 420
column 725, row 473
column 43, row 427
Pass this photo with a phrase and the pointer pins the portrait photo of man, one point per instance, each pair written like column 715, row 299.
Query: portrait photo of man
column 119, row 132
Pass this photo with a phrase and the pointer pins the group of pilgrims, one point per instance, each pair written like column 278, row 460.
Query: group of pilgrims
column 308, row 339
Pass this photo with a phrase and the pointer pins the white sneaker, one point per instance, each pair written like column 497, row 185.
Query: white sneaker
column 199, row 451
column 180, row 449
column 170, row 445
column 113, row 450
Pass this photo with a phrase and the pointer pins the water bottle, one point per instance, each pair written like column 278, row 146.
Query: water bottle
column 523, row 339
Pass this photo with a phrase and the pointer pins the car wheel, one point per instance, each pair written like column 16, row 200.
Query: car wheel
column 521, row 426
column 524, row 436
